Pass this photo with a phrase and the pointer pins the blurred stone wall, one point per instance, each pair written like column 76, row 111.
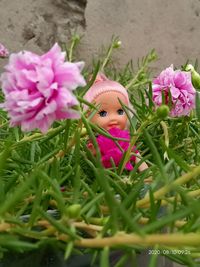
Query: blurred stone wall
column 171, row 27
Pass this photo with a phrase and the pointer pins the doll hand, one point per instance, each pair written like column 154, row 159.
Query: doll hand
column 142, row 166
column 90, row 146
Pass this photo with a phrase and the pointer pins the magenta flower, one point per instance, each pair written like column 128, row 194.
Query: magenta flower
column 110, row 151
column 39, row 89
column 177, row 83
column 3, row 51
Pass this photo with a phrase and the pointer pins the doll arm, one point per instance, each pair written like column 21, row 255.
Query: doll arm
column 142, row 166
column 90, row 146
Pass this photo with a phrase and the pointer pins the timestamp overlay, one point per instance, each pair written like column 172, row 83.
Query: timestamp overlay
column 169, row 252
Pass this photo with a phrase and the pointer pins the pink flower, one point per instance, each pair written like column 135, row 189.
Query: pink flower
column 109, row 150
column 179, row 84
column 38, row 89
column 3, row 51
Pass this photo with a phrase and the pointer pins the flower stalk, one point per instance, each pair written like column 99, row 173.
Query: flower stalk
column 165, row 189
column 176, row 239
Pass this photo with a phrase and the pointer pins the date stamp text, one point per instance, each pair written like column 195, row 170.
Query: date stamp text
column 169, row 252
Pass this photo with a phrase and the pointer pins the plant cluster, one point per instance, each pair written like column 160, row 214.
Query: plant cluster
column 54, row 191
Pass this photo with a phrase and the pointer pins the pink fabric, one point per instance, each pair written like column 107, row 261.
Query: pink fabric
column 109, row 149
column 102, row 85
column 179, row 84
column 39, row 89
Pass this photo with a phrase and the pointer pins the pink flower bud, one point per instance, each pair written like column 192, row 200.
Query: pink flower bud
column 3, row 51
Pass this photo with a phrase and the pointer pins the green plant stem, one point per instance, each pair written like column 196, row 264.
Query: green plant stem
column 165, row 189
column 109, row 53
column 75, row 41
column 39, row 136
column 177, row 240
column 166, row 137
column 132, row 143
column 170, row 200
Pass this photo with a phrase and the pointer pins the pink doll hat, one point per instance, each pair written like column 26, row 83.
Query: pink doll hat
column 102, row 85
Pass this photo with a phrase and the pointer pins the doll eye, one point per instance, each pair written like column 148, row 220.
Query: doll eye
column 103, row 113
column 120, row 111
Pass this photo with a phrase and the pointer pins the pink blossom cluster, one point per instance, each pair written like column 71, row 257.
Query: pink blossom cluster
column 110, row 151
column 39, row 89
column 3, row 51
column 178, row 84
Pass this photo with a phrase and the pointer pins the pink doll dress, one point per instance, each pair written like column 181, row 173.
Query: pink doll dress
column 109, row 149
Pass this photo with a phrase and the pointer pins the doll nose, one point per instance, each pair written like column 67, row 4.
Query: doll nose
column 112, row 117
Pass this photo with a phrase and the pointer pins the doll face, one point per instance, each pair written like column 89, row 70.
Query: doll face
column 111, row 113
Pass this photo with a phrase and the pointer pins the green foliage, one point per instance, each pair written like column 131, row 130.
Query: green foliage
column 53, row 190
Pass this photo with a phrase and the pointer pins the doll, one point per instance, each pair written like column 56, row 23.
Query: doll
column 110, row 116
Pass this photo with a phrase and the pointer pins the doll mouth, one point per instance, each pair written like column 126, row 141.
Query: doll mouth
column 113, row 126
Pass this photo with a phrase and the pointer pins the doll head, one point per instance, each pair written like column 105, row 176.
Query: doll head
column 106, row 94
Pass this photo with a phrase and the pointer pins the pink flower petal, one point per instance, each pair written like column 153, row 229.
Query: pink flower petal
column 38, row 89
column 179, row 84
